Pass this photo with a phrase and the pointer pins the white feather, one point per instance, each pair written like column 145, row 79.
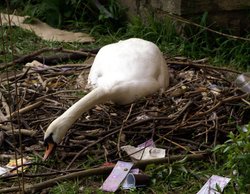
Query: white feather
column 122, row 72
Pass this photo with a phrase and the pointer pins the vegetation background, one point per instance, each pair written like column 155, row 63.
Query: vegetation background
column 107, row 23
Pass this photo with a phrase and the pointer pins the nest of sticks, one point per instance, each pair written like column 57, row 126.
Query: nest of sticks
column 198, row 110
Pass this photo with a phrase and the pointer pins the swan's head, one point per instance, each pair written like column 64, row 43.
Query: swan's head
column 54, row 135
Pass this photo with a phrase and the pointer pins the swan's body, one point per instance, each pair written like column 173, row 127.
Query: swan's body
column 122, row 72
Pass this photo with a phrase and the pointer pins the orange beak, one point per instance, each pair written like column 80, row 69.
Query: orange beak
column 48, row 151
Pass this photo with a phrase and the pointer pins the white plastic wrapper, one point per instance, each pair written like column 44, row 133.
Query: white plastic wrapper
column 213, row 183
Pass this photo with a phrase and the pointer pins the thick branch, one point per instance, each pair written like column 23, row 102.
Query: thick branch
column 99, row 171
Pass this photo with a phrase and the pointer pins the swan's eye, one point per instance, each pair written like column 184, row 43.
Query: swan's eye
column 48, row 140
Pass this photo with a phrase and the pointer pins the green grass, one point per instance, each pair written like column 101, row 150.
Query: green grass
column 236, row 158
column 178, row 178
column 108, row 24
column 19, row 42
column 219, row 50
column 66, row 187
column 197, row 43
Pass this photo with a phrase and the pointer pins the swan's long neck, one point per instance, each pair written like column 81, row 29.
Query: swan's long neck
column 96, row 96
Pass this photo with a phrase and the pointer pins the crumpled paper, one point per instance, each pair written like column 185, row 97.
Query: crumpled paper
column 35, row 66
column 145, row 151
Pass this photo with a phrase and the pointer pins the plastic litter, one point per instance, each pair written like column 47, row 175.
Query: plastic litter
column 213, row 183
column 118, row 174
column 135, row 180
column 243, row 82
column 9, row 168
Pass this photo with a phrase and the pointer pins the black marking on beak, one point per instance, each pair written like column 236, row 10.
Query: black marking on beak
column 50, row 146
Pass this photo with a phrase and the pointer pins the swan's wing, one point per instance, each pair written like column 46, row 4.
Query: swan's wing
column 129, row 91
column 132, row 59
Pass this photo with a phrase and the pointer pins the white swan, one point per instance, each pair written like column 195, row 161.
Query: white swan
column 122, row 72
